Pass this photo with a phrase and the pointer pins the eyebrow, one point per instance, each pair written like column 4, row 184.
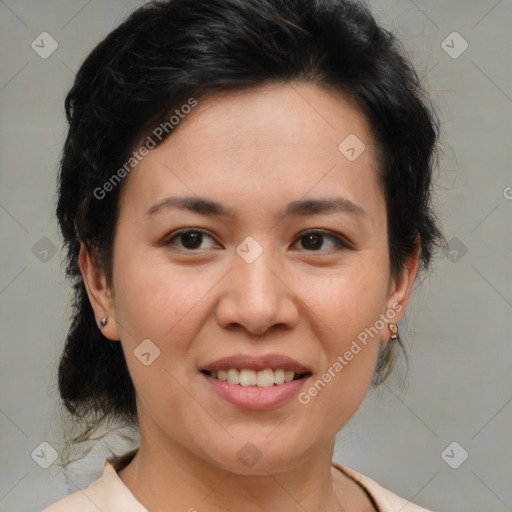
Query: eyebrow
column 295, row 208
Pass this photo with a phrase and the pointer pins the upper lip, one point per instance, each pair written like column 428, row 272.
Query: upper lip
column 256, row 363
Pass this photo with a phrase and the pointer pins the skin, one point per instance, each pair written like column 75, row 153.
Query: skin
column 254, row 152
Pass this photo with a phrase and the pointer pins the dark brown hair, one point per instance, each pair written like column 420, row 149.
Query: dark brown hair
column 169, row 51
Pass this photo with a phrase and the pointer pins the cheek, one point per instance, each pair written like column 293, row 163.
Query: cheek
column 153, row 296
column 349, row 300
column 347, row 305
column 166, row 304
column 159, row 302
column 347, row 310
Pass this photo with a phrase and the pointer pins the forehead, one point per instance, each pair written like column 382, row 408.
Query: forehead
column 296, row 114
column 261, row 143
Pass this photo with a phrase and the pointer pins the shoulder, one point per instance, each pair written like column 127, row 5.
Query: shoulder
column 90, row 499
column 107, row 494
column 386, row 500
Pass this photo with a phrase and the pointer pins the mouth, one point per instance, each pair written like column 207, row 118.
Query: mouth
column 262, row 379
column 256, row 382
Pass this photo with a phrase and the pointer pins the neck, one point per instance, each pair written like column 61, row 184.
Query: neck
column 175, row 479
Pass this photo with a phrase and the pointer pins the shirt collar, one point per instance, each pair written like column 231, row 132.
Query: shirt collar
column 119, row 497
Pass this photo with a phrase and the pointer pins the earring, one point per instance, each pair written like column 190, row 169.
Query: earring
column 394, row 331
column 103, row 321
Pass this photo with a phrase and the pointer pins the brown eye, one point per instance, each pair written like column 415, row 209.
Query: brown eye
column 314, row 240
column 189, row 239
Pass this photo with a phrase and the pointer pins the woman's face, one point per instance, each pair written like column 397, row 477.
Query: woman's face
column 241, row 275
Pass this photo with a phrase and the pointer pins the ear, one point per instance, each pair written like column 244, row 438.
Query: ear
column 399, row 292
column 99, row 294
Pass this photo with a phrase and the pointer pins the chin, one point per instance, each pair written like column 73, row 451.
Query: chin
column 254, row 455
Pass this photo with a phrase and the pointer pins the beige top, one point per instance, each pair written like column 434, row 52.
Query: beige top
column 109, row 494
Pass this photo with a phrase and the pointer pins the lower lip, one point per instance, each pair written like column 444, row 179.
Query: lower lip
column 253, row 397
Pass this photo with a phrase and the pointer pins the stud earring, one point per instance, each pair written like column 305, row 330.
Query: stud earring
column 103, row 321
column 394, row 331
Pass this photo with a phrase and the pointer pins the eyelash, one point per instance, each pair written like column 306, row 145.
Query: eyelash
column 341, row 244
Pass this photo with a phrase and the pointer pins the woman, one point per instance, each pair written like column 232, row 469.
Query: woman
column 245, row 200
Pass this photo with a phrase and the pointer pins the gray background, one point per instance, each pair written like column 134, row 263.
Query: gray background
column 458, row 326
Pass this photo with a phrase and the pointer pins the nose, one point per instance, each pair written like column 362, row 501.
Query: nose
column 257, row 297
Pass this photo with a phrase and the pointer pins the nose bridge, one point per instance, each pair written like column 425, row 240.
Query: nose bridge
column 256, row 298
column 253, row 275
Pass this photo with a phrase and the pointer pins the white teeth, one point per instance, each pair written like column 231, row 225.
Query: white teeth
column 247, row 378
column 263, row 379
column 233, row 376
column 279, row 376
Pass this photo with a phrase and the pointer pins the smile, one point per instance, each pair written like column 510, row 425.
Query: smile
column 262, row 379
column 247, row 393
